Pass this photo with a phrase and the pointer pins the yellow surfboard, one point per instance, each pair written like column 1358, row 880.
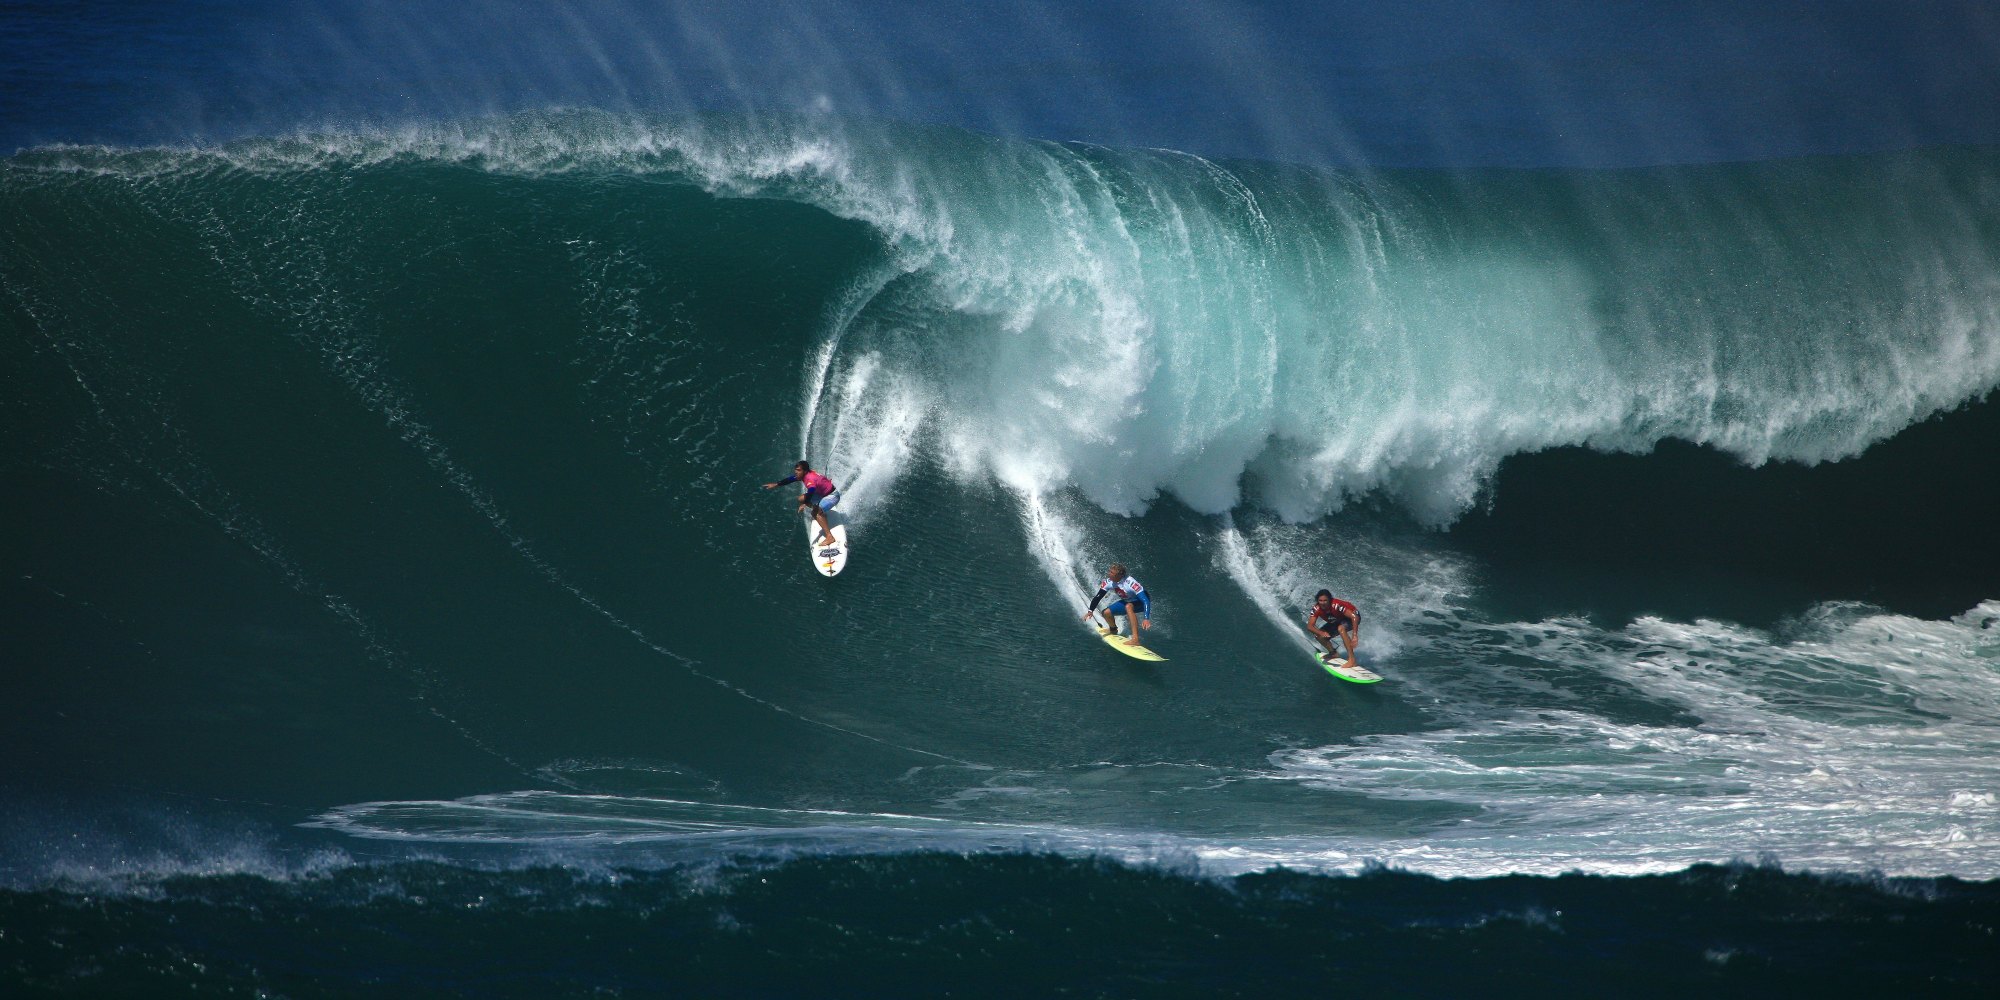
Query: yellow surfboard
column 1117, row 642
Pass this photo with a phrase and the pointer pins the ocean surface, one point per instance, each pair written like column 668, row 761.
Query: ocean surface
column 389, row 605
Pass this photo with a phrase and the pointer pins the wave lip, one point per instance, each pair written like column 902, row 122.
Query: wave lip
column 1138, row 322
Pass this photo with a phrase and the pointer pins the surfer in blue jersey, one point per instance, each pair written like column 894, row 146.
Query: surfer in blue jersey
column 1127, row 598
column 820, row 496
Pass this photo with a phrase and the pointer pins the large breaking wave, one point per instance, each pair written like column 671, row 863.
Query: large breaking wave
column 1139, row 322
column 547, row 353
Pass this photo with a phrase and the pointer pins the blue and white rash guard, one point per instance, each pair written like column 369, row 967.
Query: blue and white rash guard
column 1124, row 591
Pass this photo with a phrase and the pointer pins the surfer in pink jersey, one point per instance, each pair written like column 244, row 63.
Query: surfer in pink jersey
column 1127, row 598
column 819, row 497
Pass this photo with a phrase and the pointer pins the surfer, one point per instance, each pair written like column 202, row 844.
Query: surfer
column 1127, row 598
column 820, row 496
column 1340, row 617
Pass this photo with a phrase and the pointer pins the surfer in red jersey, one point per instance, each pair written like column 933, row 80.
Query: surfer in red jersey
column 1341, row 618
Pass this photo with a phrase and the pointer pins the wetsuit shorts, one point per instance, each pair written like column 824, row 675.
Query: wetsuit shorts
column 1139, row 604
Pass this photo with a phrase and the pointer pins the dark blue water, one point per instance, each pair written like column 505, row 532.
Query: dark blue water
column 1432, row 83
column 389, row 605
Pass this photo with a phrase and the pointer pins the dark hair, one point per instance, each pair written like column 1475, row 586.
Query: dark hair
column 1323, row 593
column 801, row 464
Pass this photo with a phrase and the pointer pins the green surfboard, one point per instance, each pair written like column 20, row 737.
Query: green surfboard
column 1348, row 672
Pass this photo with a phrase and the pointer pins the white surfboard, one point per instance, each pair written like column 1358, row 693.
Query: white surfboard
column 1347, row 671
column 828, row 559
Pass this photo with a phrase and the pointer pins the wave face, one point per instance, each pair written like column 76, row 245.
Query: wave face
column 394, row 495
